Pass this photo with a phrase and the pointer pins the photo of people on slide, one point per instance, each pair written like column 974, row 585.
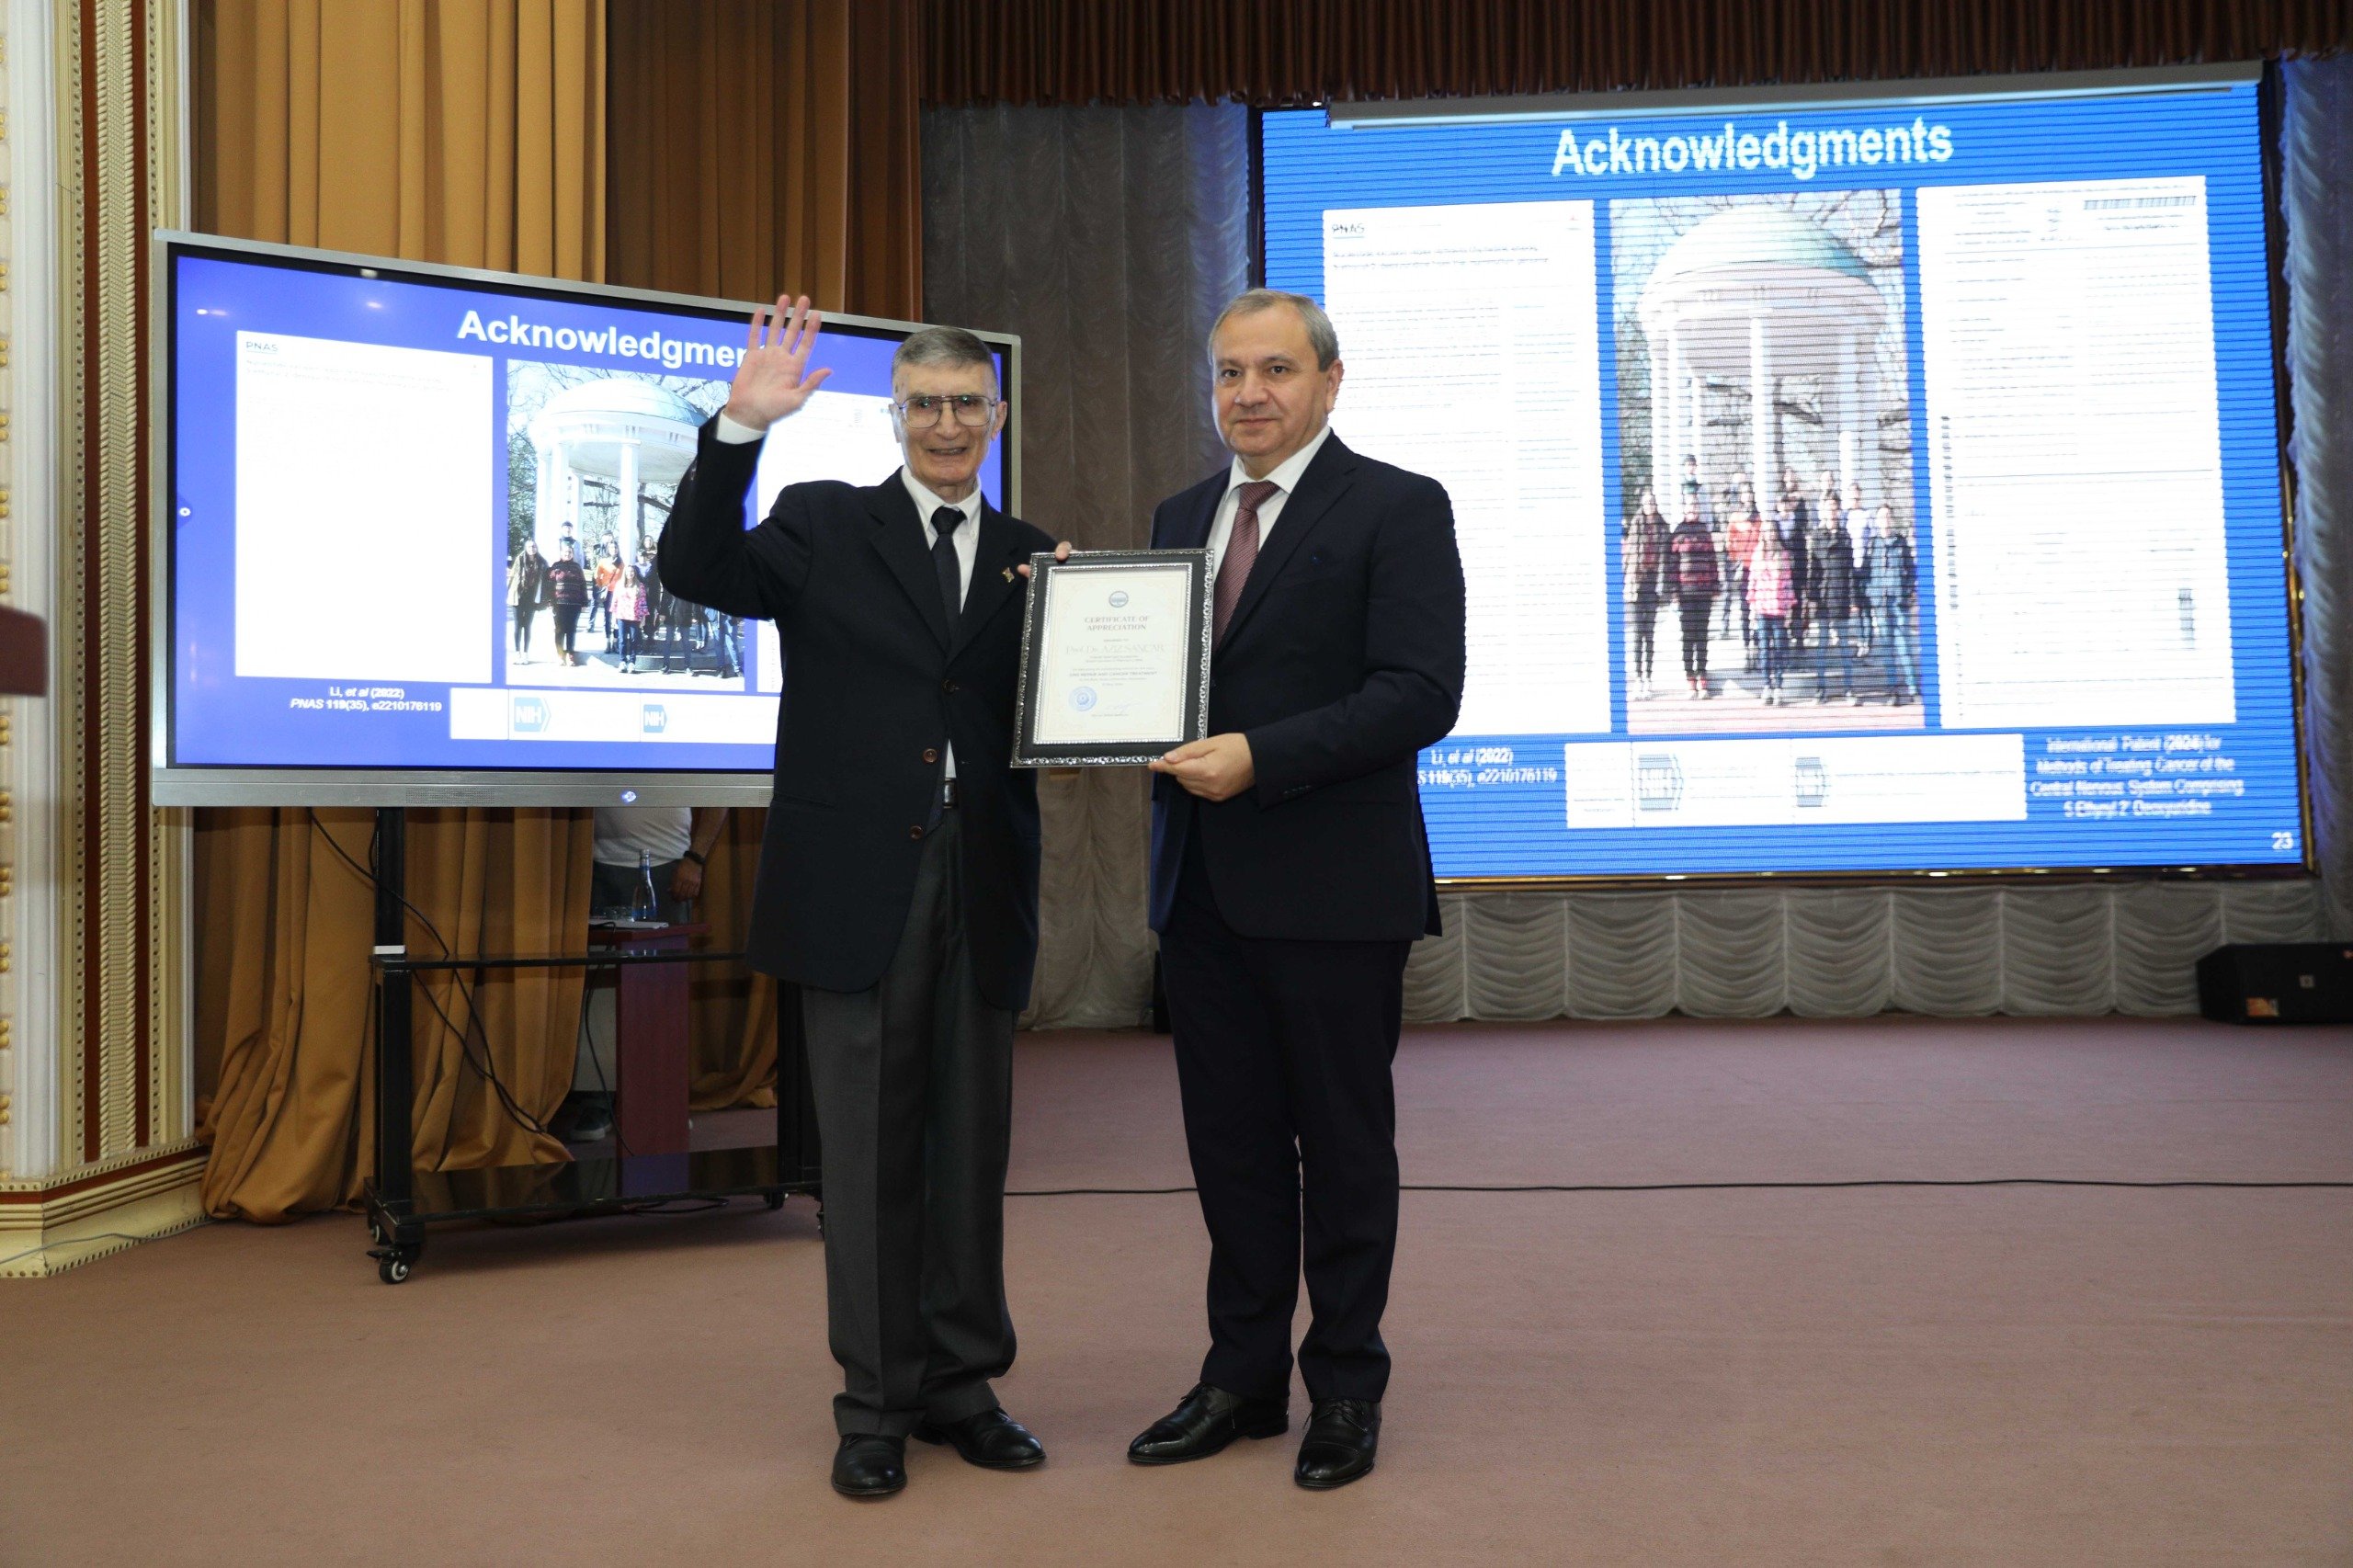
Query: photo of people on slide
column 593, row 462
column 1769, row 570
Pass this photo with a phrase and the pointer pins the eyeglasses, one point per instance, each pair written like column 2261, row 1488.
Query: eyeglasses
column 922, row 411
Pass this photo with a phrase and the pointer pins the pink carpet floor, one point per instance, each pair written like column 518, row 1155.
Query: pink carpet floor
column 2065, row 1376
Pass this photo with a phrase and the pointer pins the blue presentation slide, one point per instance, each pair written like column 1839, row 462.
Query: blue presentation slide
column 415, row 520
column 1893, row 486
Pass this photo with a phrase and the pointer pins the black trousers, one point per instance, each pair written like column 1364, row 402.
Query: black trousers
column 1283, row 1054
column 1645, row 613
column 913, row 1083
column 1695, row 637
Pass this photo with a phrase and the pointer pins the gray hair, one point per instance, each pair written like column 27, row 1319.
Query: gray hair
column 942, row 346
column 1320, row 335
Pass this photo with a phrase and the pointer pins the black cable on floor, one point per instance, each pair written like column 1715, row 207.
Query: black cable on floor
column 1736, row 1185
column 484, row 1066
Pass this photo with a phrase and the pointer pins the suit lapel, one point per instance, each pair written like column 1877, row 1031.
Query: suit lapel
column 994, row 556
column 898, row 536
column 1326, row 481
column 1194, row 532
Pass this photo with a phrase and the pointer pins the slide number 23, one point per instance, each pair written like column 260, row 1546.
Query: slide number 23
column 2283, row 841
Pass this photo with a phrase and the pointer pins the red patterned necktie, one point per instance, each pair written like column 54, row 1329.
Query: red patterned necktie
column 1241, row 554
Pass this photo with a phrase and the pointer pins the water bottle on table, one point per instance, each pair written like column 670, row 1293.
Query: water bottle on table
column 644, row 904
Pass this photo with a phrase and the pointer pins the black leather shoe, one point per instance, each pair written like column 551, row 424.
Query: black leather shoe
column 992, row 1439
column 1207, row 1421
column 1342, row 1435
column 867, row 1465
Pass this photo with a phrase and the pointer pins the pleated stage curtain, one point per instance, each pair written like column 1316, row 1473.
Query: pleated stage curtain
column 731, row 1024
column 2316, row 159
column 1108, row 239
column 762, row 147
column 1102, row 235
column 1301, row 51
column 467, row 132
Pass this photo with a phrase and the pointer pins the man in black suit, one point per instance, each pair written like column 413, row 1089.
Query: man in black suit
column 1290, row 873
column 898, row 881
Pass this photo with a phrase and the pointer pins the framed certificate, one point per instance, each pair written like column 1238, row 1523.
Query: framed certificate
column 1115, row 658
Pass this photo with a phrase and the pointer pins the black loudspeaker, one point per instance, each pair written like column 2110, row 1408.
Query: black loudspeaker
column 2278, row 982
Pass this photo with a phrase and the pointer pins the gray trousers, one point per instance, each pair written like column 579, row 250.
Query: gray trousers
column 913, row 1083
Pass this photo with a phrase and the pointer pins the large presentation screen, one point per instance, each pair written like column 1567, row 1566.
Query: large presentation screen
column 1886, row 486
column 413, row 515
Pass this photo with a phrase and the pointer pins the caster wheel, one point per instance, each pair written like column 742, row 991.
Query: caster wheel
column 820, row 1218
column 375, row 1233
column 393, row 1270
column 774, row 1199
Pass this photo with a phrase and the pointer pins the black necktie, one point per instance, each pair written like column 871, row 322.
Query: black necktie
column 943, row 559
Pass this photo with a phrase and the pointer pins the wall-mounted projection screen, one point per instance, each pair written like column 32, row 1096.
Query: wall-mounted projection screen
column 352, row 454
column 1883, row 485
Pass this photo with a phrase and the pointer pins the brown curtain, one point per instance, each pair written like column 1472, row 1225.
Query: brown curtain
column 1300, row 51
column 467, row 132
column 768, row 146
column 731, row 1019
column 762, row 147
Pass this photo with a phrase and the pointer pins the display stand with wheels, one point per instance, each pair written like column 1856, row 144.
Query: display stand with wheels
column 402, row 1200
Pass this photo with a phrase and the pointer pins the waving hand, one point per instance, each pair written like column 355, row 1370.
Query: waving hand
column 775, row 379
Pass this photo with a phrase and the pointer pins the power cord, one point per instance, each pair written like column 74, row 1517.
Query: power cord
column 99, row 1236
column 484, row 1066
column 1738, row 1185
column 604, row 1088
column 629, row 1210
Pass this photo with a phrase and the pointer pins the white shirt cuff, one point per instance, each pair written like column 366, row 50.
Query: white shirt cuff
column 735, row 434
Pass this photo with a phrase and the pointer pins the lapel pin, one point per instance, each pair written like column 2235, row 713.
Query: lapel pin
column 1008, row 573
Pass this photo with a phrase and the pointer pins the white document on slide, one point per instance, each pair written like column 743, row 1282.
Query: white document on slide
column 2074, row 454
column 364, row 489
column 1472, row 355
column 843, row 435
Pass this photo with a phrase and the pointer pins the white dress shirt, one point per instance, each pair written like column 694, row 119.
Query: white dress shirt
column 967, row 538
column 1286, row 480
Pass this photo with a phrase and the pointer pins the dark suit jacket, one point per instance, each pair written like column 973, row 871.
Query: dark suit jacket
column 1343, row 659
column 875, row 682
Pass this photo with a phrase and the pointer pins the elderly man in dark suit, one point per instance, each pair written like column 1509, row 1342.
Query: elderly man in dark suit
column 1290, row 874
column 898, row 881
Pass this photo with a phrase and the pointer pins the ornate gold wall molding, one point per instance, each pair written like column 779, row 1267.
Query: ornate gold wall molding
column 94, row 997
column 100, row 1212
column 123, row 926
column 31, row 396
